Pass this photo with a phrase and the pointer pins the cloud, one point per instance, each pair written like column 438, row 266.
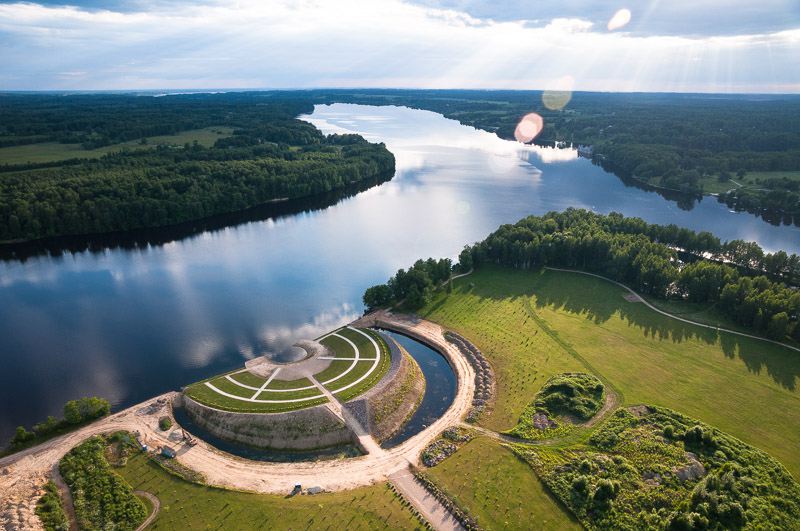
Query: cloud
column 308, row 43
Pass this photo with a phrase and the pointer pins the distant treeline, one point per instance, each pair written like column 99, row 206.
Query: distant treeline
column 752, row 287
column 271, row 155
column 666, row 140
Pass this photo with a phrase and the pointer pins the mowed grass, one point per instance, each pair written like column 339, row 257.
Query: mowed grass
column 187, row 505
column 277, row 390
column 366, row 349
column 205, row 395
column 743, row 386
column 752, row 179
column 493, row 316
column 498, row 489
column 55, row 151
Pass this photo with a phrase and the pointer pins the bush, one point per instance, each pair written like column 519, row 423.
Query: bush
column 50, row 511
column 577, row 394
column 102, row 499
column 165, row 423
column 87, row 408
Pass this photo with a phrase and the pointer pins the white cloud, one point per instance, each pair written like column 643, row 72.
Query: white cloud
column 283, row 43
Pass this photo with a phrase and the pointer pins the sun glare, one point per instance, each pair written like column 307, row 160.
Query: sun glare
column 529, row 128
column 619, row 20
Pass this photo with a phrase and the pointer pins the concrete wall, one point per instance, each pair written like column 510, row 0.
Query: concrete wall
column 306, row 429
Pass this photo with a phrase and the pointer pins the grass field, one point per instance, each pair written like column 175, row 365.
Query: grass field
column 250, row 394
column 753, row 179
column 745, row 387
column 499, row 489
column 55, row 151
column 343, row 349
column 187, row 505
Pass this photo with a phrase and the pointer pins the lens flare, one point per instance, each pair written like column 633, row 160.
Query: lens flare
column 619, row 20
column 557, row 97
column 528, row 128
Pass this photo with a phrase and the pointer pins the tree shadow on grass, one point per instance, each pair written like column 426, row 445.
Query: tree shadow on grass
column 598, row 301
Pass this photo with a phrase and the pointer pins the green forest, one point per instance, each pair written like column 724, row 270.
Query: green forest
column 690, row 143
column 751, row 287
column 270, row 156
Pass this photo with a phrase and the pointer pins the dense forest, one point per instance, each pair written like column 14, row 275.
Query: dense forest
column 753, row 288
column 271, row 155
column 677, row 142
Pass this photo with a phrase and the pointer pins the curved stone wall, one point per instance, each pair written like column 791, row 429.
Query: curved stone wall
column 306, row 429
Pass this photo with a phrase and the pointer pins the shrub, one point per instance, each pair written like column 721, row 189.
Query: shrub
column 575, row 394
column 87, row 408
column 165, row 423
column 50, row 511
column 102, row 499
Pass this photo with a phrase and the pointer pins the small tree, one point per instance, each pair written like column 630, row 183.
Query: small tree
column 165, row 423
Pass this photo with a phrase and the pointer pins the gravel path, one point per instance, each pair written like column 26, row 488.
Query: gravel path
column 434, row 512
column 156, row 506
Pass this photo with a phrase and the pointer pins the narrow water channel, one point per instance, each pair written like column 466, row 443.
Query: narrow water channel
column 440, row 388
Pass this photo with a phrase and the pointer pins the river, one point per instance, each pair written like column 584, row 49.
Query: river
column 129, row 322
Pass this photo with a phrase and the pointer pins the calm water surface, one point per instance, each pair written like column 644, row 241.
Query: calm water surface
column 440, row 388
column 127, row 324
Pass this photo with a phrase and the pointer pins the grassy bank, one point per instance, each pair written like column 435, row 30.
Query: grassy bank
column 187, row 505
column 498, row 489
column 745, row 387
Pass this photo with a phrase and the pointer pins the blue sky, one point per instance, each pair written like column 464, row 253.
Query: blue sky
column 667, row 45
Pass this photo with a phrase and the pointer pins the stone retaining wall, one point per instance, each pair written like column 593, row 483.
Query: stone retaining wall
column 306, row 429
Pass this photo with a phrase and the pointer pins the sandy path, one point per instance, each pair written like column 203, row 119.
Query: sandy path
column 156, row 506
column 433, row 511
column 22, row 474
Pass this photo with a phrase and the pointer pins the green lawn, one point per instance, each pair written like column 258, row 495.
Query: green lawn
column 753, row 179
column 202, row 393
column 499, row 489
column 187, row 505
column 745, row 387
column 492, row 316
column 205, row 395
column 366, row 349
column 55, row 151
column 338, row 347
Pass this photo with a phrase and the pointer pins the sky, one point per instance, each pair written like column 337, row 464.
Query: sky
column 601, row 45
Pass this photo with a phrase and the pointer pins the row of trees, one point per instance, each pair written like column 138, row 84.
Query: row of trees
column 412, row 288
column 270, row 156
column 640, row 255
column 76, row 412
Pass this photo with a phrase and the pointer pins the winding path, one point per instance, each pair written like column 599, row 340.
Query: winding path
column 22, row 474
column 671, row 316
column 156, row 506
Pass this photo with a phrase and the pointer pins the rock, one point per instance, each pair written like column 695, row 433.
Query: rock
column 693, row 471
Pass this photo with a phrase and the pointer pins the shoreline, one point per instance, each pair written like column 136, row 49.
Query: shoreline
column 23, row 473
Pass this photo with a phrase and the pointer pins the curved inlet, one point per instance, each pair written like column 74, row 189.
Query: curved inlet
column 440, row 388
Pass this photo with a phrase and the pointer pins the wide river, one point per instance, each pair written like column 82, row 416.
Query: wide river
column 129, row 323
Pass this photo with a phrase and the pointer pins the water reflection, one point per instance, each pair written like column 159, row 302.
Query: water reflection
column 132, row 317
